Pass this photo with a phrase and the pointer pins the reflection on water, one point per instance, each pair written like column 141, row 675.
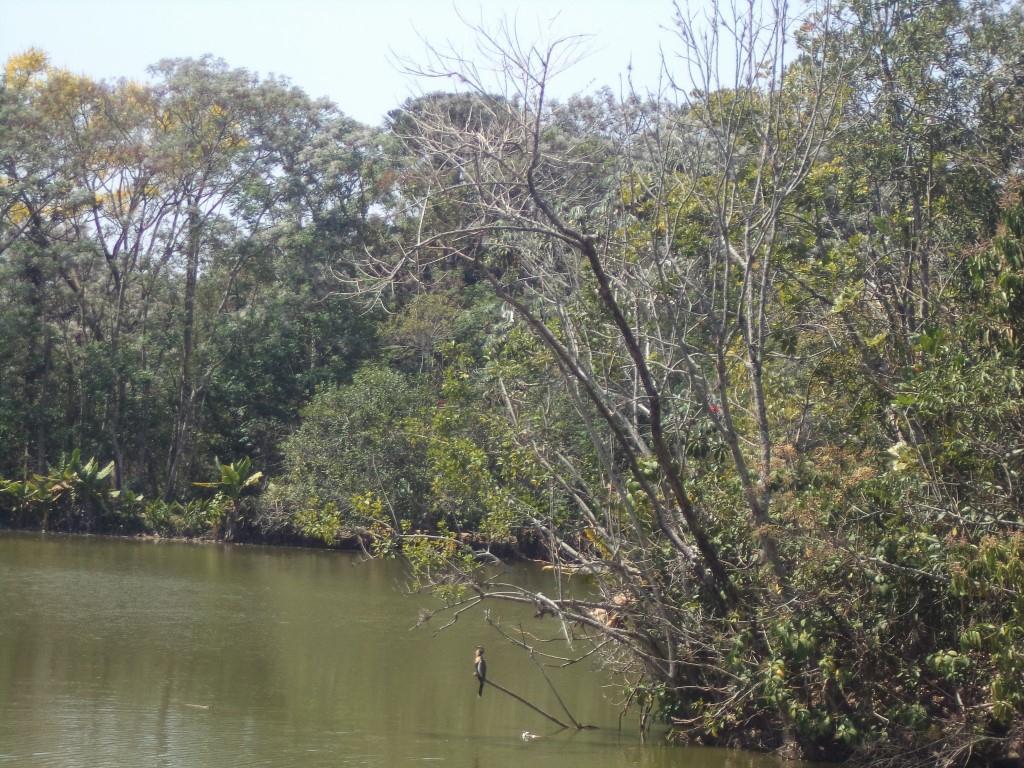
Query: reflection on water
column 122, row 653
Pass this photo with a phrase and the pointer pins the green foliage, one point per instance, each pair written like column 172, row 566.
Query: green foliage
column 132, row 326
column 193, row 519
column 831, row 327
column 321, row 521
column 227, row 507
column 236, row 479
column 359, row 437
column 77, row 496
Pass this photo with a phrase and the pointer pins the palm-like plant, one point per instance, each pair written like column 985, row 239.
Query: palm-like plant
column 79, row 488
column 235, row 481
column 22, row 498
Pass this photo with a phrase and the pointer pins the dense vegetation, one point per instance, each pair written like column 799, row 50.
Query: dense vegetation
column 747, row 353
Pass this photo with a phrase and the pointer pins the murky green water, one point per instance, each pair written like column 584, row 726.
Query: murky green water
column 116, row 654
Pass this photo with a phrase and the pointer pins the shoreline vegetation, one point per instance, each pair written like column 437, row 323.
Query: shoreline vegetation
column 526, row 548
column 747, row 351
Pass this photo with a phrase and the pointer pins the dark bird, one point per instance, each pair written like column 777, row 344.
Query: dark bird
column 480, row 668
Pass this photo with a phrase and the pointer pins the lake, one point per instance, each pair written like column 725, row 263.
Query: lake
column 121, row 653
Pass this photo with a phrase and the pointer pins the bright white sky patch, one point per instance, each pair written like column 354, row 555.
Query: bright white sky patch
column 342, row 49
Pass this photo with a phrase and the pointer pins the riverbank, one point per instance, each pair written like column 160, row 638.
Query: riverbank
column 525, row 548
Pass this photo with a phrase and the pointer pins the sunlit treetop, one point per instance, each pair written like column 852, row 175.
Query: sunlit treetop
column 21, row 68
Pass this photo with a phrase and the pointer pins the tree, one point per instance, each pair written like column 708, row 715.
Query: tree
column 659, row 367
column 359, row 441
column 146, row 232
column 524, row 193
column 668, row 263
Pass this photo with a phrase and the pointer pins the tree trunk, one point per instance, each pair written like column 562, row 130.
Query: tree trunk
column 183, row 415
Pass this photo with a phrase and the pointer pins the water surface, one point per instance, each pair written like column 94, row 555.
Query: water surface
column 117, row 653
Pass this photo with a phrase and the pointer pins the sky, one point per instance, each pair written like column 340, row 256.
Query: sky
column 345, row 50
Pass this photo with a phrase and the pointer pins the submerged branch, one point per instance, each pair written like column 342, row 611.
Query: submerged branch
column 519, row 698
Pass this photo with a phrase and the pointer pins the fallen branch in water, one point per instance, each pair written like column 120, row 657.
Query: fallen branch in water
column 519, row 698
column 532, row 651
column 579, row 726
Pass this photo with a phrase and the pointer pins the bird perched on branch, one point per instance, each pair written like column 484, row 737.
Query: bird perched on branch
column 480, row 668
